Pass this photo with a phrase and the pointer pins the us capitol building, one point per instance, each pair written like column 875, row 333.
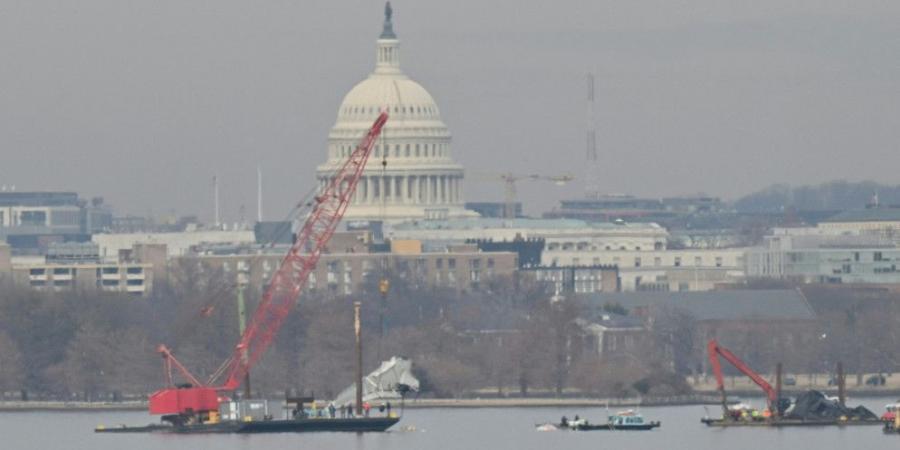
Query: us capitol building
column 410, row 174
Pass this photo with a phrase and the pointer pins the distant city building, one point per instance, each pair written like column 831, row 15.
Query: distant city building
column 77, row 266
column 648, row 269
column 177, row 243
column 31, row 221
column 876, row 221
column 611, row 336
column 826, row 254
column 411, row 173
column 607, row 208
column 576, row 232
column 349, row 262
column 781, row 316
column 576, row 279
column 493, row 209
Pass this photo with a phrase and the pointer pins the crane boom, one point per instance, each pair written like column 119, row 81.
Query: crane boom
column 715, row 350
column 300, row 260
column 280, row 295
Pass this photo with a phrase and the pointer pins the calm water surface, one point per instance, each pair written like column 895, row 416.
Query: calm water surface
column 506, row 428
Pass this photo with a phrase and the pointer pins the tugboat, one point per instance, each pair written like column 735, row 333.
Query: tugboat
column 891, row 419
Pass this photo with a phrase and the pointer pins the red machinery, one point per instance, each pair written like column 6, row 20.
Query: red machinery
column 280, row 295
column 715, row 350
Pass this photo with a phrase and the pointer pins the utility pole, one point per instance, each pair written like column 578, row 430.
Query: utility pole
column 357, row 326
column 777, row 412
column 591, row 179
column 242, row 321
column 259, row 215
column 384, row 286
column 216, row 200
column 841, row 380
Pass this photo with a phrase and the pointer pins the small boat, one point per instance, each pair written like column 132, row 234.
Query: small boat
column 623, row 420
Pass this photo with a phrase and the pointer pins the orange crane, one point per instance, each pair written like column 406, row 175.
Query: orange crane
column 715, row 350
column 179, row 404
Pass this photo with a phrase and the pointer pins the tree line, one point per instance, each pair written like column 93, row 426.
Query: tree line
column 507, row 338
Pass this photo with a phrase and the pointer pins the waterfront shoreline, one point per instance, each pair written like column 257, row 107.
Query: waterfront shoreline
column 697, row 398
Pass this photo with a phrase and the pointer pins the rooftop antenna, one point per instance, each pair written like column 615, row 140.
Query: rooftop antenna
column 591, row 183
column 258, row 193
column 216, row 200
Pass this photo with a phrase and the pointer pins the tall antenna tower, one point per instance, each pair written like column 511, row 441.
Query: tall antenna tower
column 216, row 200
column 258, row 193
column 592, row 168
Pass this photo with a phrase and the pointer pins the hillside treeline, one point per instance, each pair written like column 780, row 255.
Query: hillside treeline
column 831, row 196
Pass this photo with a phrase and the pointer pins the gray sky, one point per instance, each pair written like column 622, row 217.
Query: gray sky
column 141, row 102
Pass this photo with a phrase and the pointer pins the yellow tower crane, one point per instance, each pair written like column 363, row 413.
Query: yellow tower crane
column 510, row 179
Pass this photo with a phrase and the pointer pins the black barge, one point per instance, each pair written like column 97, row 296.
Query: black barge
column 359, row 425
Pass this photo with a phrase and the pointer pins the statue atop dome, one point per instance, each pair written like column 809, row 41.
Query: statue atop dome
column 388, row 31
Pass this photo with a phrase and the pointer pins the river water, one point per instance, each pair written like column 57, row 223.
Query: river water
column 487, row 428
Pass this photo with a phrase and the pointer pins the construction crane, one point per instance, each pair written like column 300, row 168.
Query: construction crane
column 179, row 404
column 509, row 181
column 715, row 350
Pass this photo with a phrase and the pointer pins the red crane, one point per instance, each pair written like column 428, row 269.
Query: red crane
column 182, row 402
column 715, row 350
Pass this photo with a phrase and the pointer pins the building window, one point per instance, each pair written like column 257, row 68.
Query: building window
column 451, row 263
column 34, row 218
column 657, row 261
column 698, row 261
column 332, row 272
column 677, row 261
column 135, row 270
column 439, row 263
column 877, row 256
column 718, row 261
column 36, row 272
column 637, row 261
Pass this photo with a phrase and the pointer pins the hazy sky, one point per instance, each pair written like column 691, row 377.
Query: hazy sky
column 142, row 101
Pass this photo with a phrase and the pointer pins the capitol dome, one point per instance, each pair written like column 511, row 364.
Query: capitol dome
column 410, row 173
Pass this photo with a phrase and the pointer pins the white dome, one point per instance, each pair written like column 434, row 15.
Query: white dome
column 403, row 98
column 417, row 177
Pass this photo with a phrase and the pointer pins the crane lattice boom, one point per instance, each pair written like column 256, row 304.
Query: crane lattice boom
column 282, row 292
column 715, row 350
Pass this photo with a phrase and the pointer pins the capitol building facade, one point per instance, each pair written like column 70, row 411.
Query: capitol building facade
column 410, row 174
